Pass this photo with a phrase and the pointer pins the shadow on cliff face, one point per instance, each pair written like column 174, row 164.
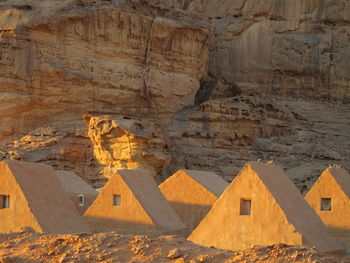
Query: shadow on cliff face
column 214, row 88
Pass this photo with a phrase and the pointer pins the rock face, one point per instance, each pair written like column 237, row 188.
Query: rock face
column 128, row 144
column 95, row 60
column 226, row 81
column 223, row 130
column 64, row 146
column 285, row 47
column 276, row 47
column 221, row 135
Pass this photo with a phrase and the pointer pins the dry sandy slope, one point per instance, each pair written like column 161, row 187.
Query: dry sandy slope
column 111, row 247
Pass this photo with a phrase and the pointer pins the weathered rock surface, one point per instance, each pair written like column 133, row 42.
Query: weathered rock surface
column 227, row 81
column 219, row 134
column 128, row 144
column 280, row 47
column 94, row 59
column 222, row 135
column 65, row 146
column 275, row 47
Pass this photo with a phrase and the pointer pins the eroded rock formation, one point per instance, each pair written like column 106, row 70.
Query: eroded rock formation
column 128, row 144
column 89, row 60
column 65, row 146
column 291, row 48
column 227, row 82
column 220, row 134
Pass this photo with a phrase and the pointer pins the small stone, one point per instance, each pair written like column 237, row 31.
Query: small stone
column 175, row 253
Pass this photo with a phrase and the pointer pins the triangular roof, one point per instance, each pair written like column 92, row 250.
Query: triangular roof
column 192, row 193
column 73, row 184
column 150, row 206
column 147, row 192
column 291, row 201
column 209, row 180
column 279, row 213
column 341, row 176
column 37, row 198
column 329, row 197
column 338, row 176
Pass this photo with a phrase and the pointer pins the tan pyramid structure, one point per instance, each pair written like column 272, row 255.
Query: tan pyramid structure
column 330, row 198
column 192, row 193
column 79, row 191
column 262, row 207
column 31, row 196
column 131, row 203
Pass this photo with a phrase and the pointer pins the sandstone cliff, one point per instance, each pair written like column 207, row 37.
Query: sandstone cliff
column 211, row 84
column 94, row 59
column 297, row 48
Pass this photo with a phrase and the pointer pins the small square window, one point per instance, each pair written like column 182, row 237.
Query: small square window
column 245, row 207
column 326, row 204
column 4, row 201
column 117, row 200
column 81, row 200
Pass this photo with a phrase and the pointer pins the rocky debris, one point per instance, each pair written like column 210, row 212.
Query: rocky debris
column 112, row 247
column 128, row 144
column 139, row 244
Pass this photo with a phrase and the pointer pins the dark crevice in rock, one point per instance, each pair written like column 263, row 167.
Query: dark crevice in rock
column 203, row 93
column 213, row 88
column 23, row 7
column 146, row 92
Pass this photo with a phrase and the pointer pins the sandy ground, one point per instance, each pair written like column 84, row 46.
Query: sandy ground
column 112, row 247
